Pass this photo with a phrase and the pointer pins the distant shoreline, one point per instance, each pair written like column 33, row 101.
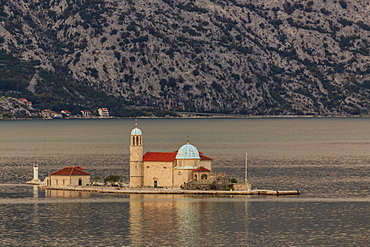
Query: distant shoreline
column 198, row 116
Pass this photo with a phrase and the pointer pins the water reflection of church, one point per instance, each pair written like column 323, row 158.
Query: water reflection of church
column 166, row 169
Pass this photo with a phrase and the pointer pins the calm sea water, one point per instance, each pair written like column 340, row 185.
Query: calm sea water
column 327, row 159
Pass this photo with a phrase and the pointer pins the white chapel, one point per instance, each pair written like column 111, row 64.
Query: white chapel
column 165, row 169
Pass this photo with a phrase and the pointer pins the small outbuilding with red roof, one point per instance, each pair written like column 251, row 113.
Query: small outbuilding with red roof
column 69, row 176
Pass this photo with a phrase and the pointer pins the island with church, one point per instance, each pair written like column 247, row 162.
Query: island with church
column 185, row 171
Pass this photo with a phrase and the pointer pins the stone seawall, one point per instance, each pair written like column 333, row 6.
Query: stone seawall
column 170, row 191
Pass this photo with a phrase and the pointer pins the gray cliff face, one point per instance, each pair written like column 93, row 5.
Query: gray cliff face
column 15, row 108
column 250, row 57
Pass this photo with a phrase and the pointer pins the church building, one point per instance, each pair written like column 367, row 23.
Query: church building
column 165, row 169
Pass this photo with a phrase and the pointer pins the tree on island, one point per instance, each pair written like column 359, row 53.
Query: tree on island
column 112, row 179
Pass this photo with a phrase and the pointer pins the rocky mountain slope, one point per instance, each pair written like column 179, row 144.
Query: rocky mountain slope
column 236, row 56
column 15, row 108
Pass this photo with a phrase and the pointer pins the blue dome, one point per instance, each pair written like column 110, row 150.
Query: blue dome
column 188, row 151
column 136, row 132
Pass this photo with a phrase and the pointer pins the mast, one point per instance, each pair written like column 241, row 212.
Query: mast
column 246, row 167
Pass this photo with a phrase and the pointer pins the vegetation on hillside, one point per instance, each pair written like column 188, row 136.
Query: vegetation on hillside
column 138, row 57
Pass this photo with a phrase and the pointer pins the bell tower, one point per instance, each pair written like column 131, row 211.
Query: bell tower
column 136, row 158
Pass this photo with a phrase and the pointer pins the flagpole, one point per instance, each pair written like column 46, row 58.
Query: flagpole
column 246, row 167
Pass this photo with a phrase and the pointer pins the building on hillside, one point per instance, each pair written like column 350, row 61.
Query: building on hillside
column 57, row 115
column 166, row 169
column 24, row 100
column 103, row 112
column 69, row 176
column 86, row 113
column 47, row 113
column 66, row 113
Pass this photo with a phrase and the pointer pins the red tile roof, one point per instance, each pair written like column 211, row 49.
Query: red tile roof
column 70, row 171
column 160, row 156
column 203, row 157
column 167, row 156
column 201, row 169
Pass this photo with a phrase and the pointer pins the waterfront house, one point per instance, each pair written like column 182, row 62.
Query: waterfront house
column 47, row 113
column 103, row 112
column 86, row 113
column 66, row 113
column 69, row 176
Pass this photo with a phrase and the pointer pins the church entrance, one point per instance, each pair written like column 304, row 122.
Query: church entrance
column 155, row 184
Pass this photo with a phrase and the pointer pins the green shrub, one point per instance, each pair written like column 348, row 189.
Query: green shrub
column 112, row 178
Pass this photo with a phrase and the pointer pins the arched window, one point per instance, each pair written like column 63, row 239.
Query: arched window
column 204, row 176
column 80, row 181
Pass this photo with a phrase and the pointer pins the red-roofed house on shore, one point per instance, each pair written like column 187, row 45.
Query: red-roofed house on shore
column 47, row 113
column 165, row 169
column 66, row 113
column 86, row 113
column 103, row 112
column 69, row 176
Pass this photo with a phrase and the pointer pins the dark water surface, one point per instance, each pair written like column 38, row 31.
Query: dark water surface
column 327, row 159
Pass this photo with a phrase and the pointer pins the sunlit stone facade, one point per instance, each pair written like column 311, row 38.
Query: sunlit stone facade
column 69, row 176
column 163, row 169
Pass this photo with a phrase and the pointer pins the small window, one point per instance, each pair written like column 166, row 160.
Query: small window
column 147, row 166
column 165, row 167
column 179, row 173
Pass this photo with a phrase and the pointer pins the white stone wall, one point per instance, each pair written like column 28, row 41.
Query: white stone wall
column 136, row 162
column 242, row 187
column 63, row 181
column 206, row 163
column 159, row 171
column 181, row 176
column 187, row 162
